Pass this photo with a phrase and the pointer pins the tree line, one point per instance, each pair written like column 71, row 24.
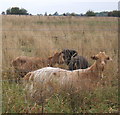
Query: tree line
column 22, row 11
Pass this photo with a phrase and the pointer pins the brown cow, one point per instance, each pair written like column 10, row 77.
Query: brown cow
column 24, row 64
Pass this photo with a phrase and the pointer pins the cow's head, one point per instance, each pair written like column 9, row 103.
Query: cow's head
column 68, row 54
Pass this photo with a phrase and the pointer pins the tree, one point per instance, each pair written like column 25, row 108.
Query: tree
column 90, row 13
column 16, row 11
column 64, row 14
column 39, row 14
column 81, row 14
column 3, row 13
column 23, row 11
column 73, row 14
column 45, row 14
column 50, row 14
column 114, row 13
column 8, row 11
column 56, row 14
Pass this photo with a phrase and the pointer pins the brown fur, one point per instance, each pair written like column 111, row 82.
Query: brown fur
column 24, row 64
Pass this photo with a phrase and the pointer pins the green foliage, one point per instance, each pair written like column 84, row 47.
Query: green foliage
column 16, row 11
column 102, row 100
column 90, row 13
column 8, row 11
column 114, row 13
column 73, row 14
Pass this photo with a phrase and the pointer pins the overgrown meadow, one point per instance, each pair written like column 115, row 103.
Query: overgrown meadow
column 42, row 36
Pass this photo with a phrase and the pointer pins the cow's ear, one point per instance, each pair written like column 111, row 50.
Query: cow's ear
column 94, row 57
column 75, row 54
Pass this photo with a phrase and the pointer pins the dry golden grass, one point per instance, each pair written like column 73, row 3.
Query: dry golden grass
column 43, row 36
column 0, row 63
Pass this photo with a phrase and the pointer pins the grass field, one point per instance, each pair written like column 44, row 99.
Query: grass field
column 42, row 36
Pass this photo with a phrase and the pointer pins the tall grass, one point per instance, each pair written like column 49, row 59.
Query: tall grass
column 43, row 36
column 102, row 100
column 0, row 63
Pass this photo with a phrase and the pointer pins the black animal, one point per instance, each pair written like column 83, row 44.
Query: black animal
column 78, row 62
column 68, row 54
column 73, row 60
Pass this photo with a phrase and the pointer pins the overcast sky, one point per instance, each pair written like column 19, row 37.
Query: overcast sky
column 61, row 6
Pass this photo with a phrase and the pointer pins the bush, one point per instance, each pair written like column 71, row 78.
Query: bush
column 90, row 13
column 16, row 11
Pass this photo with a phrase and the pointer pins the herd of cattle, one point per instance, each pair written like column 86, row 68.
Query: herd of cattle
column 42, row 79
column 23, row 64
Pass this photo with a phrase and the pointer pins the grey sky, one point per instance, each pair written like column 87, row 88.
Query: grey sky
column 61, row 6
